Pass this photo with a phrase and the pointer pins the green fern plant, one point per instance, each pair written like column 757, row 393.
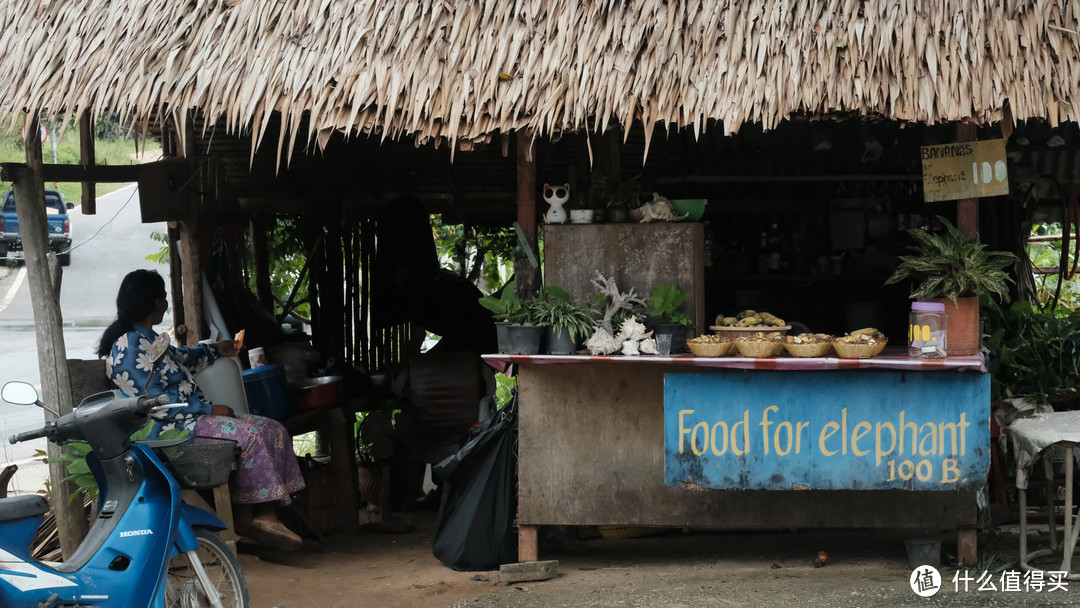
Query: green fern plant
column 950, row 265
column 505, row 307
column 557, row 309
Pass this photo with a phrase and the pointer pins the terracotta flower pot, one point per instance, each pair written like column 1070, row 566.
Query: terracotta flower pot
column 963, row 325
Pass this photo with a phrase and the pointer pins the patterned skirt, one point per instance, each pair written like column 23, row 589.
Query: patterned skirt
column 267, row 469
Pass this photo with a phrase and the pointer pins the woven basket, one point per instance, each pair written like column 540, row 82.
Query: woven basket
column 859, row 351
column 709, row 349
column 819, row 349
column 758, row 349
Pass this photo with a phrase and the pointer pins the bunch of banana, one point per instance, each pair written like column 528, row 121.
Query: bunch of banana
column 866, row 335
column 750, row 318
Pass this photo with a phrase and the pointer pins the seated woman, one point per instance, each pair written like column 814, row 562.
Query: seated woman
column 266, row 470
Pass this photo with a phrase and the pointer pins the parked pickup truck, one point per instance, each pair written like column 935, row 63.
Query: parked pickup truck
column 11, row 248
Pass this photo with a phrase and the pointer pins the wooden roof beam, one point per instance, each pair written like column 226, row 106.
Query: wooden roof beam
column 78, row 173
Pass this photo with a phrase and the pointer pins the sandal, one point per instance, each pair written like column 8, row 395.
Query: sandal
column 274, row 534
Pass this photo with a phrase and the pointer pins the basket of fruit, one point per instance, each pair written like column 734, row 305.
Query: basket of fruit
column 709, row 346
column 860, row 344
column 747, row 323
column 808, row 345
column 760, row 345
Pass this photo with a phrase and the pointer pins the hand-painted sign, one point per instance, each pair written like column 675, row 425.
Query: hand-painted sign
column 969, row 169
column 863, row 430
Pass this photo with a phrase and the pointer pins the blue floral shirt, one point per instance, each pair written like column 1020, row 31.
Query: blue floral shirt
column 129, row 367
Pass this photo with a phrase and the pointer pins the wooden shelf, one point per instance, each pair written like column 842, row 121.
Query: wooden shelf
column 714, row 275
column 722, row 179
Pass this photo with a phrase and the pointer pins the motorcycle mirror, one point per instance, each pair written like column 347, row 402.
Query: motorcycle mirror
column 19, row 393
column 159, row 347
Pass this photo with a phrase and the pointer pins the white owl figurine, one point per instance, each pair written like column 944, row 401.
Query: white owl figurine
column 556, row 197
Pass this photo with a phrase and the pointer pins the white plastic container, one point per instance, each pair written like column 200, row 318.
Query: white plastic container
column 928, row 330
column 222, row 383
column 256, row 357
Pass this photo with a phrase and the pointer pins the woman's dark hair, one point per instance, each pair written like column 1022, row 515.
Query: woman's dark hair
column 138, row 295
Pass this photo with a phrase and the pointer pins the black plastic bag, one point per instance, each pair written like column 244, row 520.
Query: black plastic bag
column 479, row 498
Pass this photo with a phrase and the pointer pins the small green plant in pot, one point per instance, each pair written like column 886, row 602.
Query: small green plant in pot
column 664, row 310
column 567, row 322
column 515, row 332
column 620, row 196
column 953, row 268
column 505, row 307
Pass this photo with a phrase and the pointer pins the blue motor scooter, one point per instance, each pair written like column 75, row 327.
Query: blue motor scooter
column 146, row 547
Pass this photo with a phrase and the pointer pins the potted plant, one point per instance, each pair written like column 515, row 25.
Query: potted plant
column 566, row 322
column 950, row 268
column 667, row 319
column 620, row 196
column 515, row 333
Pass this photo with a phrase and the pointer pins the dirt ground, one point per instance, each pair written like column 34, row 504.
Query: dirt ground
column 675, row 568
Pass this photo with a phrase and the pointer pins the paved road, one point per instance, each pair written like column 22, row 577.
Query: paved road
column 107, row 246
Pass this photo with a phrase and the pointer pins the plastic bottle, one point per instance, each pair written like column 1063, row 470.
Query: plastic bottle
column 927, row 331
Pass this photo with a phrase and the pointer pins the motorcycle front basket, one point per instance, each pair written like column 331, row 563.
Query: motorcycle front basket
column 201, row 462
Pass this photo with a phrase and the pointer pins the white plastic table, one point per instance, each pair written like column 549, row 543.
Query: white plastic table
column 1033, row 438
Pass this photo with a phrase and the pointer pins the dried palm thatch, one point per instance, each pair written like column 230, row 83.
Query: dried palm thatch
column 462, row 70
column 46, row 543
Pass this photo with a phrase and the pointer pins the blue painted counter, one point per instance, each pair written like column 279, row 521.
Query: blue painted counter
column 871, row 430
column 593, row 437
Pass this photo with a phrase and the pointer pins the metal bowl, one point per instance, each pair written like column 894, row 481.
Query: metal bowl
column 305, row 383
column 318, row 392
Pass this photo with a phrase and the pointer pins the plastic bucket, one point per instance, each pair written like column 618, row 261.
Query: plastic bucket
column 923, row 552
column 266, row 392
column 222, row 383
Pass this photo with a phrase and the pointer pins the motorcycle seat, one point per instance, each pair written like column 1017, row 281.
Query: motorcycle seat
column 22, row 507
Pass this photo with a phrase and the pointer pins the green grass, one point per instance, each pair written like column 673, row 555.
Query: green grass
column 106, row 152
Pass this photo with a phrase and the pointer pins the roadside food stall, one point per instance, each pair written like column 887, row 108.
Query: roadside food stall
column 889, row 441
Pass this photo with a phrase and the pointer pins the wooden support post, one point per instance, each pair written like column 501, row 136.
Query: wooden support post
column 176, row 271
column 339, row 432
column 528, row 543
column 261, row 257
column 86, row 153
column 191, row 279
column 191, row 263
column 528, row 278
column 332, row 285
column 48, row 328
column 967, row 209
column 610, row 158
column 967, row 547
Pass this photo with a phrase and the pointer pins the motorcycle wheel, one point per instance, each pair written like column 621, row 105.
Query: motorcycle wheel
column 182, row 585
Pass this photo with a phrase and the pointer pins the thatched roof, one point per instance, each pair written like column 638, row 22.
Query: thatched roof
column 462, row 70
